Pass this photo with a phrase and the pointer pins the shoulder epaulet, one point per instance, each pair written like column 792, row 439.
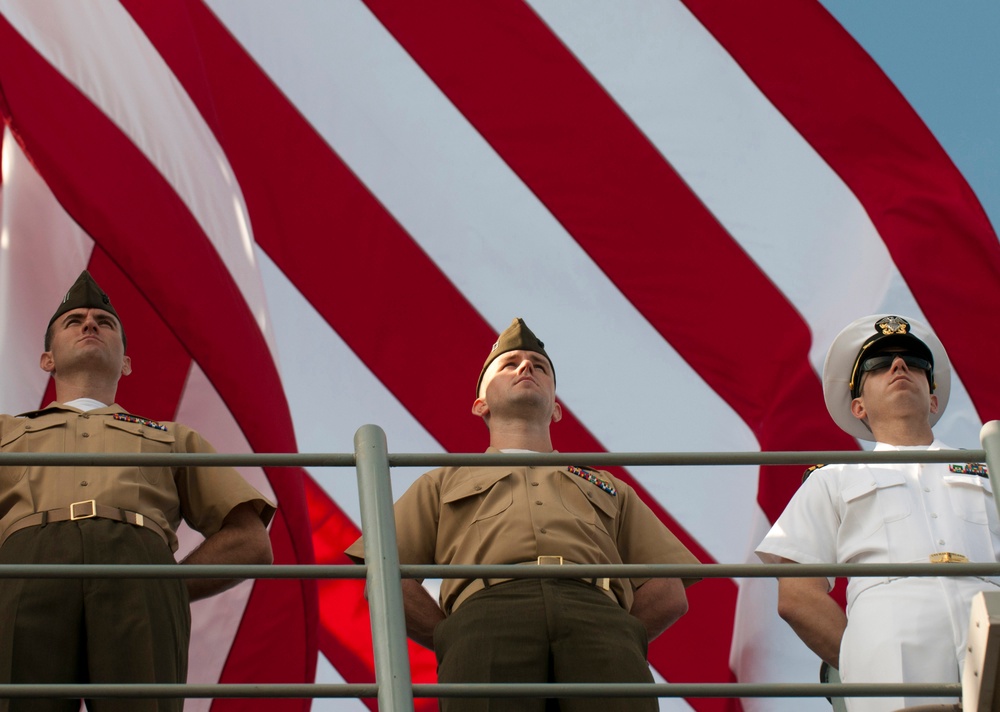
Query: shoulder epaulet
column 809, row 471
column 36, row 413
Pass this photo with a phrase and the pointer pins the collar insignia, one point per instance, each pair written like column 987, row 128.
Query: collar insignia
column 125, row 417
column 588, row 474
column 970, row 468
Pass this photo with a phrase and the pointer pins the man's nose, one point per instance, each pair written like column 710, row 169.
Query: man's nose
column 526, row 365
column 899, row 362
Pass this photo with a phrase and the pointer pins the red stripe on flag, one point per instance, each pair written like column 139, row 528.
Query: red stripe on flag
column 108, row 186
column 345, row 631
column 842, row 103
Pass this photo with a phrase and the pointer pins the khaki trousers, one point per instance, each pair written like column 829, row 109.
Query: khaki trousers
column 92, row 630
column 542, row 630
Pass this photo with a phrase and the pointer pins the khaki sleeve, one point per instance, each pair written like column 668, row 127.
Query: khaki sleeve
column 416, row 515
column 208, row 494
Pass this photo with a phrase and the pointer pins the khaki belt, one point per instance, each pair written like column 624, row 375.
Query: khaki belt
column 947, row 557
column 476, row 585
column 87, row 509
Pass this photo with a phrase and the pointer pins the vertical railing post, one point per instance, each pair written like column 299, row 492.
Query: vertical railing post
column 385, row 596
column 989, row 436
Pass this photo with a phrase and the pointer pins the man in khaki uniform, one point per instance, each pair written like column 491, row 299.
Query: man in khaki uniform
column 108, row 630
column 533, row 630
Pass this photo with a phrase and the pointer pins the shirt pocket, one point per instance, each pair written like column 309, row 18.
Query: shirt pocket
column 48, row 435
column 480, row 497
column 972, row 499
column 138, row 438
column 588, row 502
column 881, row 498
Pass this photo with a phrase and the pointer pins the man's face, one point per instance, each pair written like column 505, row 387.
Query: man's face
column 86, row 339
column 895, row 382
column 520, row 382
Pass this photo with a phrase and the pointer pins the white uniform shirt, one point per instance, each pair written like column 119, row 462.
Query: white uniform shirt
column 891, row 513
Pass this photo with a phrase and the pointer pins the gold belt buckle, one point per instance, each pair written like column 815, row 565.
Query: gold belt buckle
column 947, row 557
column 75, row 514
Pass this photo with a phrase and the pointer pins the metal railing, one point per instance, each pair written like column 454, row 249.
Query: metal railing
column 393, row 686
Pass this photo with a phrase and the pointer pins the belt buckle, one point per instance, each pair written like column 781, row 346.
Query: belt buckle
column 947, row 557
column 73, row 512
column 550, row 561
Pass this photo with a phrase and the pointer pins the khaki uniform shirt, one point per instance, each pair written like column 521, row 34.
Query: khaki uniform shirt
column 509, row 515
column 201, row 496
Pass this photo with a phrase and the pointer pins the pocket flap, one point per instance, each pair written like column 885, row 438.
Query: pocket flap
column 976, row 481
column 473, row 486
column 878, row 479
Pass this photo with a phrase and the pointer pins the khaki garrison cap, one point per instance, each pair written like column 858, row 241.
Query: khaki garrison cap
column 86, row 294
column 516, row 337
column 870, row 334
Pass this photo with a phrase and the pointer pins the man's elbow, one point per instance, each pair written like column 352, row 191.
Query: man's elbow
column 678, row 607
column 681, row 607
column 786, row 610
column 259, row 548
column 265, row 553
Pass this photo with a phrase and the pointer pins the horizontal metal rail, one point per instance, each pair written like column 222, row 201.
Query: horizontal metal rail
column 437, row 571
column 549, row 690
column 596, row 459
column 556, row 689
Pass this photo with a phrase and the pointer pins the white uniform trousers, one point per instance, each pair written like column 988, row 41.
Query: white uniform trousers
column 907, row 630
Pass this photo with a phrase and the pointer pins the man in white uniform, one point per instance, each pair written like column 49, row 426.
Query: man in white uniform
column 887, row 379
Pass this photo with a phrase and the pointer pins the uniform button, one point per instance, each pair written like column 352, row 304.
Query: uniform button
column 538, row 501
column 86, row 435
column 933, row 515
column 84, row 415
column 940, row 542
column 477, row 487
column 542, row 531
column 534, row 484
column 84, row 483
column 927, row 489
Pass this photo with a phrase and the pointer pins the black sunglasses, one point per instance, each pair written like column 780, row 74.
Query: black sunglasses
column 880, row 361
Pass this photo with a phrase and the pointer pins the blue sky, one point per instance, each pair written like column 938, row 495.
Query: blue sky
column 944, row 56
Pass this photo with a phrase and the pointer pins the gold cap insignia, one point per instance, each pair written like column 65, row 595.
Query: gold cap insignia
column 892, row 325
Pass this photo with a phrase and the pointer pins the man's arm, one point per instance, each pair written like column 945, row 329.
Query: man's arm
column 816, row 618
column 242, row 539
column 658, row 603
column 422, row 613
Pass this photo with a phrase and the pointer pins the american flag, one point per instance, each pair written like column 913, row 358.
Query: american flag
column 315, row 215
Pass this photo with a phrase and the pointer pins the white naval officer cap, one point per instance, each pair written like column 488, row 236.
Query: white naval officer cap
column 869, row 335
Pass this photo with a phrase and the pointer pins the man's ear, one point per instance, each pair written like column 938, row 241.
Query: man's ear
column 934, row 403
column 556, row 412
column 479, row 408
column 858, row 408
column 46, row 362
column 126, row 366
